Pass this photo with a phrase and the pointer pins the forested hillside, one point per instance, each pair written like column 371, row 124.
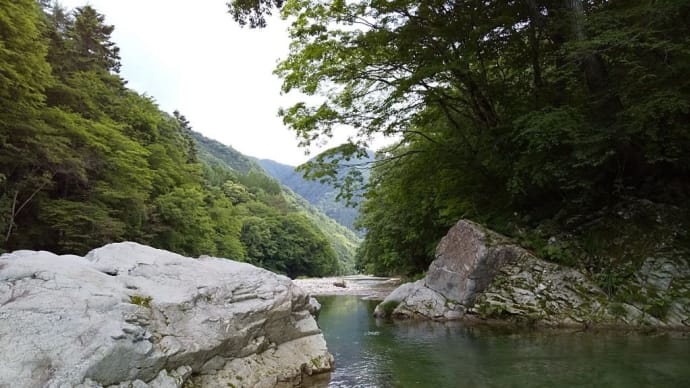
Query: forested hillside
column 85, row 161
column 343, row 241
column 321, row 195
column 214, row 153
column 562, row 123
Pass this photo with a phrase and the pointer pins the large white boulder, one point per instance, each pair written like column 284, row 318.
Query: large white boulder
column 131, row 315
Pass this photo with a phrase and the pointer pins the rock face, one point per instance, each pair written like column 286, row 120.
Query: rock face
column 478, row 273
column 135, row 316
column 467, row 260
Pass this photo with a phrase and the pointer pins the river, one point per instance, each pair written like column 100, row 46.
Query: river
column 375, row 353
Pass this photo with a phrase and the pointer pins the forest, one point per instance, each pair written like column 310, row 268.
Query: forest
column 561, row 123
column 85, row 161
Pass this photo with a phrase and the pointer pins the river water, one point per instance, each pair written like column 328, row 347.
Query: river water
column 375, row 353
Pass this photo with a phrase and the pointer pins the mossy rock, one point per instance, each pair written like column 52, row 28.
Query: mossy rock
column 387, row 308
column 139, row 300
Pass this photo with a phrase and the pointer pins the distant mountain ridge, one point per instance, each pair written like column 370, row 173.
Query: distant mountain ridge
column 216, row 153
column 321, row 195
column 343, row 240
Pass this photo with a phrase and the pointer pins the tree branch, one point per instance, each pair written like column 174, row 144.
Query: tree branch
column 14, row 213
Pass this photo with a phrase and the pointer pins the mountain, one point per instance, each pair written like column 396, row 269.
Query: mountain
column 215, row 153
column 343, row 240
column 321, row 195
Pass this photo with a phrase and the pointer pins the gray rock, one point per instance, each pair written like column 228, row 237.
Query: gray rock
column 535, row 290
column 174, row 379
column 467, row 260
column 340, row 283
column 481, row 273
column 314, row 307
column 415, row 300
column 130, row 314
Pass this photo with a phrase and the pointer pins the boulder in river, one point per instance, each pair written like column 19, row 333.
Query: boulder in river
column 467, row 260
column 131, row 315
column 478, row 273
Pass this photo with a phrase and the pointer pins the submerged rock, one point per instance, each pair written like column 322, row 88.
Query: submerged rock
column 131, row 315
column 478, row 273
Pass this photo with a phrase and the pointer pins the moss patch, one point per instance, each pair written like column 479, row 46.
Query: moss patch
column 143, row 301
column 315, row 362
column 388, row 307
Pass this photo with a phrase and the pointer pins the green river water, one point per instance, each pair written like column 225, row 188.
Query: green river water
column 375, row 353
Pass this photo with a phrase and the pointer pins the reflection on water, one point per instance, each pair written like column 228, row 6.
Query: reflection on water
column 374, row 353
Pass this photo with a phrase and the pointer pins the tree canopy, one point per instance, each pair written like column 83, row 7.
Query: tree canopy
column 508, row 112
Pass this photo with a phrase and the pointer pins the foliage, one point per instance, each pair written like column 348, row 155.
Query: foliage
column 387, row 308
column 343, row 240
column 218, row 154
column 185, row 223
column 244, row 189
column 511, row 113
column 253, row 12
column 84, row 161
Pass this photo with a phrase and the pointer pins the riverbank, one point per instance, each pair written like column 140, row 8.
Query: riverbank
column 481, row 275
column 367, row 287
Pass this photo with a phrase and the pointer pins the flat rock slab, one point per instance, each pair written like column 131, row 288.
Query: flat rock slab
column 131, row 314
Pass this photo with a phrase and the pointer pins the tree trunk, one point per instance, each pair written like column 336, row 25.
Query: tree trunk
column 591, row 64
column 577, row 18
column 16, row 210
column 12, row 213
column 536, row 24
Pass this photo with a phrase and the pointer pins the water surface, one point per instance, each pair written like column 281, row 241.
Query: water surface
column 375, row 353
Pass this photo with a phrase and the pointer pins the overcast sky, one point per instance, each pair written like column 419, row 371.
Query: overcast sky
column 191, row 56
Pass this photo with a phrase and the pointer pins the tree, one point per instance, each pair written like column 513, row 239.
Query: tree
column 303, row 250
column 91, row 41
column 24, row 73
column 288, row 244
column 184, row 223
column 546, row 108
column 253, row 12
column 186, row 129
column 227, row 224
column 24, row 141
column 259, row 242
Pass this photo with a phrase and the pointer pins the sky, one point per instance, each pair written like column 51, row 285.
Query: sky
column 193, row 57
